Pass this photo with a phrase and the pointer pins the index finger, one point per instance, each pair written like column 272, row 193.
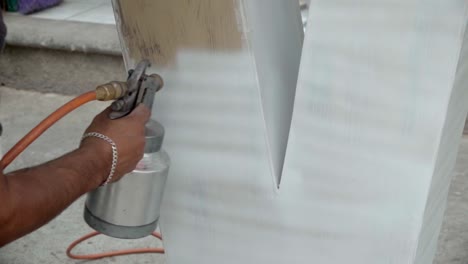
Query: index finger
column 141, row 112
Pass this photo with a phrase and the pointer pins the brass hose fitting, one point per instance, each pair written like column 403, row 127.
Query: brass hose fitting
column 111, row 90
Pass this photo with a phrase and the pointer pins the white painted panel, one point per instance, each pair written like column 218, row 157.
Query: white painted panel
column 376, row 124
column 445, row 161
column 273, row 30
column 377, row 121
column 219, row 106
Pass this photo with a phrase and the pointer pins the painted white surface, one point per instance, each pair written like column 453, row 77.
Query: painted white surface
column 375, row 130
column 445, row 161
column 275, row 40
column 375, row 98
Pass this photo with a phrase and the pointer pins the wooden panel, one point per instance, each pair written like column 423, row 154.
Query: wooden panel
column 445, row 160
column 161, row 28
column 377, row 121
column 225, row 132
column 206, row 36
column 377, row 117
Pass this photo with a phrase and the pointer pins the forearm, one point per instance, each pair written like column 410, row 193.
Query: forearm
column 32, row 197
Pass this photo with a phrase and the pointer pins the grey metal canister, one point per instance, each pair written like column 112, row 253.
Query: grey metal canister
column 129, row 208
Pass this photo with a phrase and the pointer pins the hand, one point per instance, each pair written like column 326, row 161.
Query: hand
column 128, row 134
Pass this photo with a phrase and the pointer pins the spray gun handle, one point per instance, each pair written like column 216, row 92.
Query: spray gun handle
column 139, row 88
column 150, row 85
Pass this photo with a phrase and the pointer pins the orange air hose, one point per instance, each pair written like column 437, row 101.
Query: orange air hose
column 44, row 125
column 111, row 253
column 39, row 130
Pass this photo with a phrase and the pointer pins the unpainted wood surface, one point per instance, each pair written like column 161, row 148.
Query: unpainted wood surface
column 158, row 29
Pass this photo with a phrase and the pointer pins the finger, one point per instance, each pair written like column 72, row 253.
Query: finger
column 105, row 113
column 141, row 112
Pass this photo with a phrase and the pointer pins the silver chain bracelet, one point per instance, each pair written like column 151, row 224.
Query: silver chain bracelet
column 115, row 154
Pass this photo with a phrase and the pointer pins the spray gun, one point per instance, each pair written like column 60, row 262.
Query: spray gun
column 130, row 207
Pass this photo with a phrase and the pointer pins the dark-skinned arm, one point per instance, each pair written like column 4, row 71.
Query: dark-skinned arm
column 31, row 197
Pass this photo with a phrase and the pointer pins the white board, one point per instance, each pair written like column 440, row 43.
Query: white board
column 377, row 121
column 377, row 117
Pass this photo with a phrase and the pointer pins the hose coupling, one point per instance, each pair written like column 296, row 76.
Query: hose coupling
column 111, row 90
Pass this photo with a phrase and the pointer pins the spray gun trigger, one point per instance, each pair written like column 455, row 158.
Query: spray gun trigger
column 141, row 88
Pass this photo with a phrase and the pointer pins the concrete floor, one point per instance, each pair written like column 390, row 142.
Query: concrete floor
column 21, row 110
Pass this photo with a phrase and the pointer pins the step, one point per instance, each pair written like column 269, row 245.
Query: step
column 50, row 52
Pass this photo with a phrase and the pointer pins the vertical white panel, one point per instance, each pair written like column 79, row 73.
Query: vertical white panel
column 230, row 70
column 445, row 161
column 375, row 127
column 377, row 121
column 273, row 30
